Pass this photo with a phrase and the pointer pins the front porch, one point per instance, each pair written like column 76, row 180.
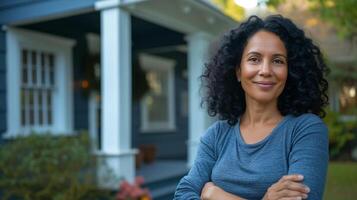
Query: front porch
column 162, row 177
column 168, row 42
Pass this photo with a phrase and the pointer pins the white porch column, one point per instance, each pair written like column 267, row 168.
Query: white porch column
column 199, row 120
column 116, row 150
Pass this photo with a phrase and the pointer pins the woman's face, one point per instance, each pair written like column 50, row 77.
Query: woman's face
column 263, row 69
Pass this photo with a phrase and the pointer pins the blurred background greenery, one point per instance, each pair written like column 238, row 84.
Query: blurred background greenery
column 44, row 166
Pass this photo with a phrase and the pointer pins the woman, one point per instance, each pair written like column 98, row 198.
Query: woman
column 266, row 83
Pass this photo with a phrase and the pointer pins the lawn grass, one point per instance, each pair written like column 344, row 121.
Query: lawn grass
column 341, row 181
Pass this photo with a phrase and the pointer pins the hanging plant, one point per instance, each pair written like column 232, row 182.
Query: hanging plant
column 139, row 82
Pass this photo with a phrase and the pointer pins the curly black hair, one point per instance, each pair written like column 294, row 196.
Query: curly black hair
column 305, row 90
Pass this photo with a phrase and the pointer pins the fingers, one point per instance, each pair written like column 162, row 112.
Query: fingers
column 292, row 182
column 291, row 198
column 291, row 194
column 292, row 177
column 289, row 187
column 209, row 184
column 207, row 191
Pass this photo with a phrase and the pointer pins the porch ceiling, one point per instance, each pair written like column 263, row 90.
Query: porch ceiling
column 186, row 16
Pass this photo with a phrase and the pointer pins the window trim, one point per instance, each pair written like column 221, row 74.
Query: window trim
column 16, row 39
column 151, row 62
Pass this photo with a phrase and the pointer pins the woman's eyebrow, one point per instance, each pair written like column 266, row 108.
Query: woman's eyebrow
column 278, row 54
column 274, row 55
column 254, row 53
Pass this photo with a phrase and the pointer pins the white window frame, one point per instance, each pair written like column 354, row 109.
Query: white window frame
column 150, row 62
column 61, row 48
column 335, row 103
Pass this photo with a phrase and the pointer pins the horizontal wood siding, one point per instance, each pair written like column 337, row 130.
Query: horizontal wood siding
column 22, row 11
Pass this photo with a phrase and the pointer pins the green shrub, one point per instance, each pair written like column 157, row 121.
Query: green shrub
column 43, row 167
column 340, row 132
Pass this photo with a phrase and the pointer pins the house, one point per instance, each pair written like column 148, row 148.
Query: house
column 125, row 70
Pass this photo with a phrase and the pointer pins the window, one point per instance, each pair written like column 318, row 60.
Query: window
column 37, row 88
column 158, row 106
column 38, row 83
column 348, row 98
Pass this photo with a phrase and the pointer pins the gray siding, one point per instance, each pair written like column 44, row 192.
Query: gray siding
column 20, row 11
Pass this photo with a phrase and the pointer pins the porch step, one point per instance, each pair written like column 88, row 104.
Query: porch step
column 162, row 177
column 165, row 189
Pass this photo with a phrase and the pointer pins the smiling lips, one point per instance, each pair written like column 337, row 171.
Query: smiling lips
column 264, row 84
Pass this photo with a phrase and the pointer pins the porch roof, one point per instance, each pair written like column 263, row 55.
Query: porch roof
column 186, row 16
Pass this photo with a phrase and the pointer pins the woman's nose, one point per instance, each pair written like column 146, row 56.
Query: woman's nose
column 265, row 68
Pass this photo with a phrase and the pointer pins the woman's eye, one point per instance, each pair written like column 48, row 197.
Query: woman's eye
column 278, row 61
column 253, row 59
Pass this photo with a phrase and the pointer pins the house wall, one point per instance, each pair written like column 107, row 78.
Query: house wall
column 25, row 11
column 3, row 119
column 157, row 40
column 74, row 28
column 168, row 144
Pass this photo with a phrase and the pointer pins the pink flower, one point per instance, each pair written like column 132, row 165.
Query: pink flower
column 128, row 191
column 139, row 180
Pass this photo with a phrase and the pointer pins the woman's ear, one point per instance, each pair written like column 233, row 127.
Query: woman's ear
column 238, row 73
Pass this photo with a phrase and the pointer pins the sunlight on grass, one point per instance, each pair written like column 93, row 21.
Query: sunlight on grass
column 341, row 181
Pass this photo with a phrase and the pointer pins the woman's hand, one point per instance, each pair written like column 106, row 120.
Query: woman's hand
column 212, row 192
column 289, row 187
column 209, row 191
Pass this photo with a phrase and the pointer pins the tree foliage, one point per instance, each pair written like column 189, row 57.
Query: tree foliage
column 341, row 13
column 230, row 8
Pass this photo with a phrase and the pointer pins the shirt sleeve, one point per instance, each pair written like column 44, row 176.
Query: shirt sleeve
column 309, row 155
column 190, row 186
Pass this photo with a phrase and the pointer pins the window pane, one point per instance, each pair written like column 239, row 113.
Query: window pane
column 49, row 107
column 44, row 106
column 34, row 63
column 35, row 105
column 23, row 111
column 24, row 65
column 43, row 68
column 51, row 68
column 157, row 101
column 23, row 117
column 30, row 98
column 49, row 115
column 31, row 107
column 158, row 108
column 32, row 117
column 40, row 117
column 40, row 107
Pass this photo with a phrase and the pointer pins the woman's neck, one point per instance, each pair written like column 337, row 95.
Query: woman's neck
column 257, row 113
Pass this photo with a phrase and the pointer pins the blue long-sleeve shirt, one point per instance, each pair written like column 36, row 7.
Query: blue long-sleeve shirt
column 297, row 145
